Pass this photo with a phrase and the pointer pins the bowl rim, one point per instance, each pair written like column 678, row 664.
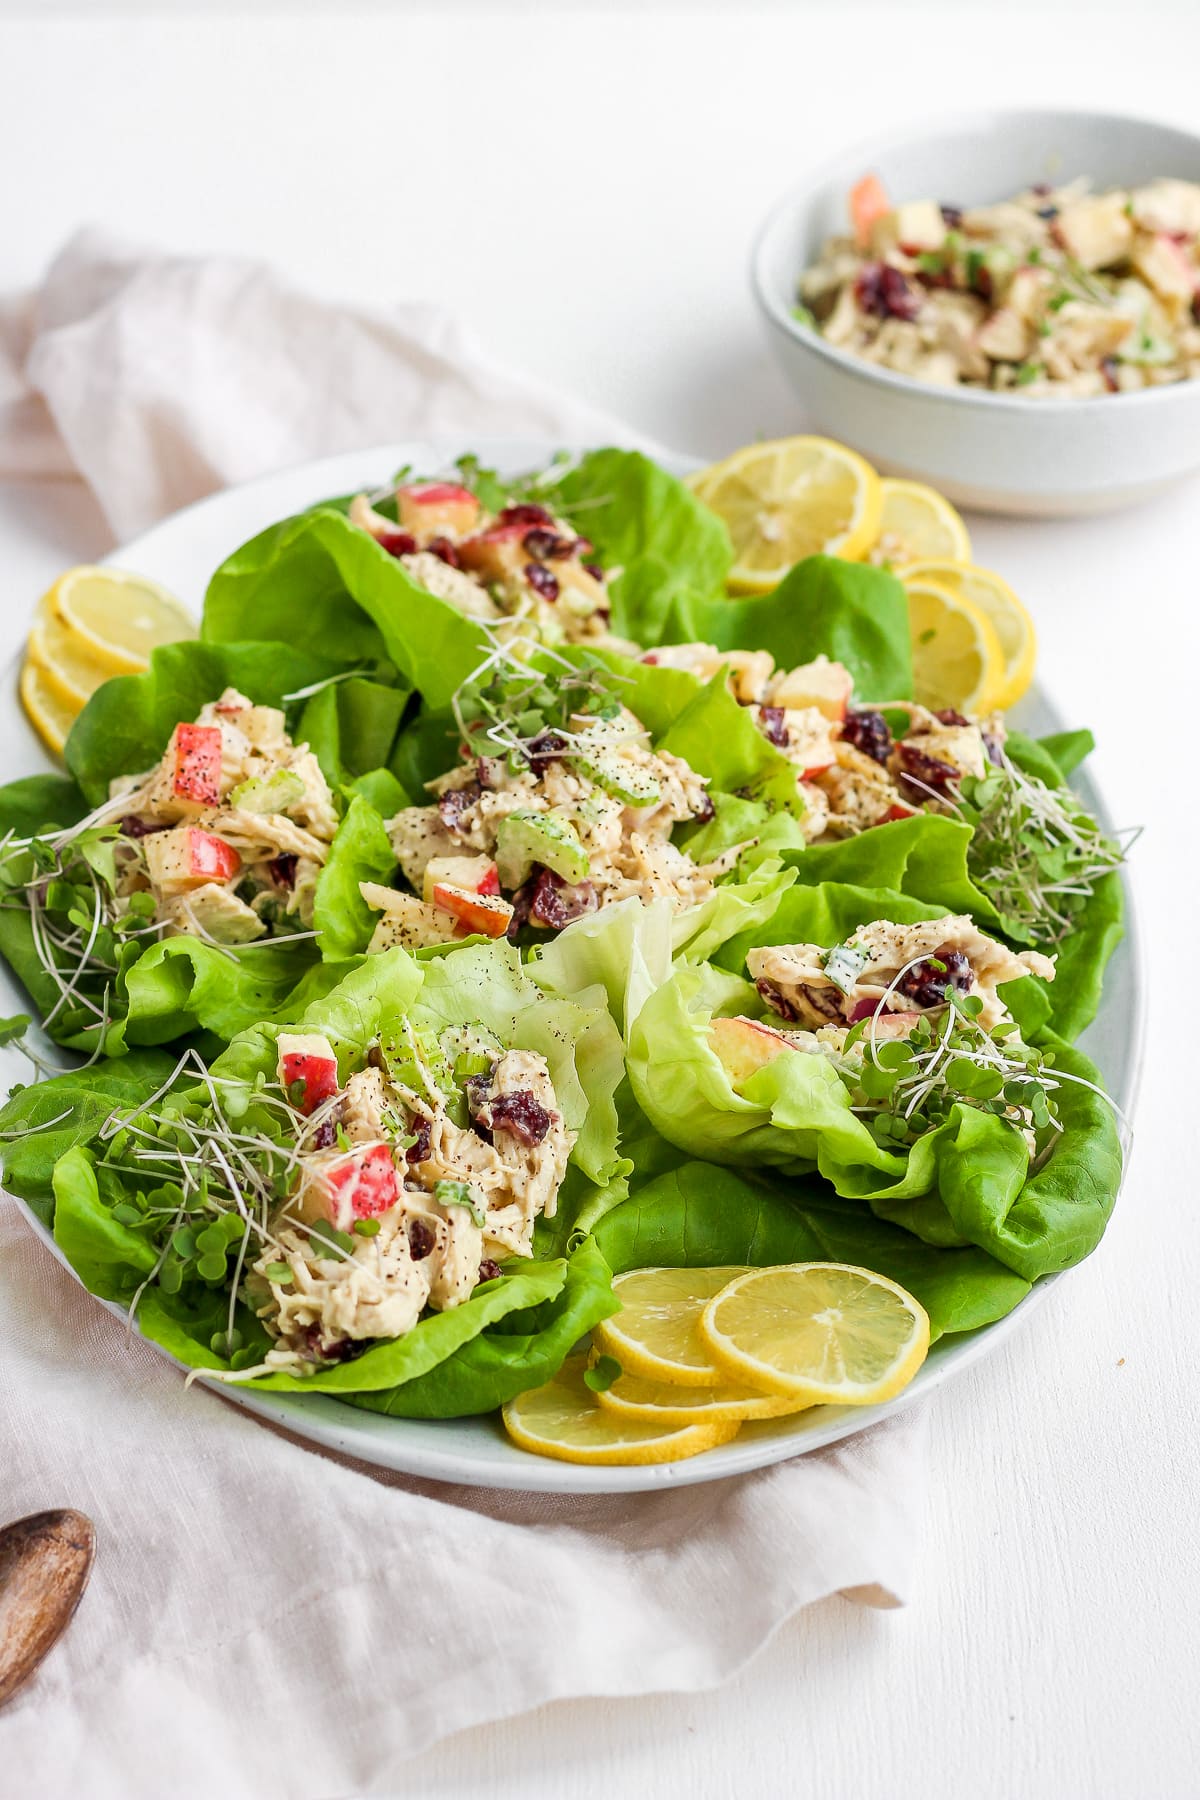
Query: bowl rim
column 779, row 314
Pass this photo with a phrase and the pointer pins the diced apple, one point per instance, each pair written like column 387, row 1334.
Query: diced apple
column 1162, row 263
column 478, row 874
column 745, row 1046
column 497, row 554
column 1167, row 205
column 307, row 1057
column 342, row 1186
column 918, row 226
column 898, row 810
column 406, row 923
column 197, row 754
column 868, row 202
column 1005, row 336
column 887, row 1024
column 188, row 857
column 1096, row 230
column 486, row 913
column 822, row 684
column 438, row 506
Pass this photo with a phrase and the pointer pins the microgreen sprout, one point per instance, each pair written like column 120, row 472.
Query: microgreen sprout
column 1035, row 851
column 905, row 1087
column 505, row 705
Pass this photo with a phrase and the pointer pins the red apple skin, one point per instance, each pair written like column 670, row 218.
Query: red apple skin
column 475, row 874
column 898, row 811
column 478, row 912
column 198, row 764
column 811, row 774
column 367, row 1180
column 887, row 1024
column 437, row 506
column 210, row 856
column 744, row 1046
column 318, row 1075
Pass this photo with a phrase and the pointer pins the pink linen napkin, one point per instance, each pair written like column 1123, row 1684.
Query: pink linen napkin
column 286, row 1622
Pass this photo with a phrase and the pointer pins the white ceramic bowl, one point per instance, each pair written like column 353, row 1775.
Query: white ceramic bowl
column 998, row 452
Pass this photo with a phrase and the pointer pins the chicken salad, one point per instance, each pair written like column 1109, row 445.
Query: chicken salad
column 1057, row 291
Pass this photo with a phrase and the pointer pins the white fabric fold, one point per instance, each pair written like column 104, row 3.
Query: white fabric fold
column 263, row 1619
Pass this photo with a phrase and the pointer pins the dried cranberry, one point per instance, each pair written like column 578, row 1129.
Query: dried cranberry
column 342, row 1349
column 582, row 547
column 522, row 900
column 775, row 999
column 882, row 290
column 542, row 544
column 994, row 747
column 948, row 716
column 133, row 827
column 554, row 902
column 544, row 749
column 773, row 725
column 421, row 1239
column 866, row 1009
column 825, row 1000
column 594, row 570
column 324, row 1137
column 1047, row 212
column 418, row 1150
column 929, row 981
column 922, row 775
column 398, row 543
column 1108, row 368
column 541, row 580
column 868, row 732
column 704, row 810
column 1041, row 189
column 951, row 216
column 455, row 802
column 520, row 1114
column 489, row 1270
column 282, row 869
column 445, row 551
column 524, row 515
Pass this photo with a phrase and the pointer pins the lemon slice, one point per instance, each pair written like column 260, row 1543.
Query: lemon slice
column 68, row 665
column 1012, row 623
column 822, row 1332
column 563, row 1420
column 957, row 659
column 50, row 715
column 633, row 1397
column 118, row 618
column 917, row 522
column 655, row 1333
column 789, row 499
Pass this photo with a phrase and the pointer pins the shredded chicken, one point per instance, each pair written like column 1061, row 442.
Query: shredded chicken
column 913, row 965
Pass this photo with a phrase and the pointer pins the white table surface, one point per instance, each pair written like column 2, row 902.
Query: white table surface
column 582, row 187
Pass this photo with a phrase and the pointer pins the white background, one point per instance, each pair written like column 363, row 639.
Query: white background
column 582, row 186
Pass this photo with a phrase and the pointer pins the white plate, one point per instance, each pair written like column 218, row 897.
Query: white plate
column 181, row 553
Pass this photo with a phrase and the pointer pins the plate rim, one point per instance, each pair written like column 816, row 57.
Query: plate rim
column 379, row 1439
